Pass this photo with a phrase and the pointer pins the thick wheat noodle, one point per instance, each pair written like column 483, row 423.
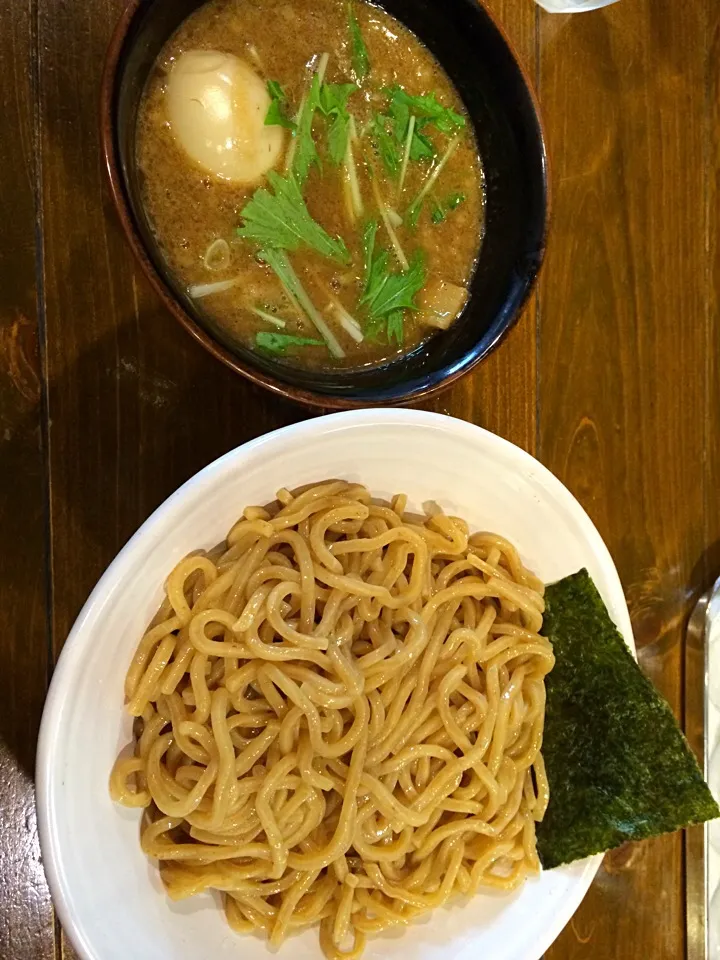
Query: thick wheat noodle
column 339, row 715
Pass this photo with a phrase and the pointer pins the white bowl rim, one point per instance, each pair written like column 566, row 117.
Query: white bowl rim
column 102, row 592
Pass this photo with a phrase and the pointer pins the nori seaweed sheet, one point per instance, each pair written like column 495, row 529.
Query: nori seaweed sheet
column 618, row 765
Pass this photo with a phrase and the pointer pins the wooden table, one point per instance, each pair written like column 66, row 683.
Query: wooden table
column 610, row 378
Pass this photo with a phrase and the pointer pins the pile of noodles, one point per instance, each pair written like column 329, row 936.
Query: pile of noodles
column 339, row 718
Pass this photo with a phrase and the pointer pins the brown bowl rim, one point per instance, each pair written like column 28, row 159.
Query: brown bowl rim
column 258, row 377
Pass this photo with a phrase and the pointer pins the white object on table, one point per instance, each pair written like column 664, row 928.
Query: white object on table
column 572, row 6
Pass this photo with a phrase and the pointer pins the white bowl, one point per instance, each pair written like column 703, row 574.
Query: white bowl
column 108, row 895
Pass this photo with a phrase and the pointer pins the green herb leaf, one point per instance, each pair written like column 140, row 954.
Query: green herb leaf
column 399, row 111
column 358, row 51
column 333, row 104
column 618, row 765
column 278, row 343
column 412, row 214
column 277, row 111
column 389, row 148
column 394, row 291
column 338, row 139
column 421, row 147
column 279, row 263
column 368, row 243
column 424, row 107
column 334, row 97
column 440, row 211
column 376, row 268
column 305, row 150
column 396, row 327
column 427, row 111
column 387, row 295
column 282, row 221
column 413, row 211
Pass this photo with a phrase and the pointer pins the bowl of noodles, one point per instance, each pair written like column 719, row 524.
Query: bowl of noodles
column 302, row 711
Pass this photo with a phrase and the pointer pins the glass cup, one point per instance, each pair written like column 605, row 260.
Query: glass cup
column 572, row 6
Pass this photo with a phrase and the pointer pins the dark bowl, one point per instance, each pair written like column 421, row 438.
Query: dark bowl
column 479, row 60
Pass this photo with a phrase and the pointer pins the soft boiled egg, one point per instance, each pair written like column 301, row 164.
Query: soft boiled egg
column 216, row 106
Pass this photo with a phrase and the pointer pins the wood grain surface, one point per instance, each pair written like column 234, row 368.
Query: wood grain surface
column 611, row 377
column 26, row 921
column 623, row 351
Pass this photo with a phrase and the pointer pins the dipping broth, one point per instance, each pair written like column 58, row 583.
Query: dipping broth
column 312, row 178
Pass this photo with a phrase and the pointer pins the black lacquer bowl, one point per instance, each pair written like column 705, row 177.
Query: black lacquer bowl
column 478, row 59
